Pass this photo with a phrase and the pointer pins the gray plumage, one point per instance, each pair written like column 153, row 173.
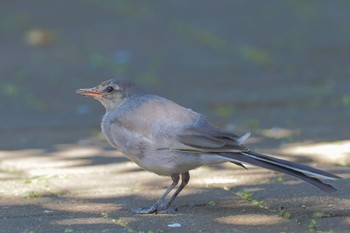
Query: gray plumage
column 167, row 139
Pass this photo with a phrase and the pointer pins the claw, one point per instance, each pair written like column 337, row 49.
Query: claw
column 160, row 210
column 144, row 211
column 167, row 210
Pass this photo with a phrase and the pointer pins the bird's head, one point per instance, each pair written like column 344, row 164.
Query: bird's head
column 111, row 93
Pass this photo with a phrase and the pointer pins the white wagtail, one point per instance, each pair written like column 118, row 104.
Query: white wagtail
column 167, row 139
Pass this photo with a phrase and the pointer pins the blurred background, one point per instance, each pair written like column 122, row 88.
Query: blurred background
column 276, row 68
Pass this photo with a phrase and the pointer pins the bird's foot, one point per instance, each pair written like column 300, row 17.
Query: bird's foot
column 144, row 210
column 161, row 209
column 168, row 210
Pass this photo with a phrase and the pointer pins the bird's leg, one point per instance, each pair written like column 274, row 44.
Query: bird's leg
column 154, row 207
column 185, row 177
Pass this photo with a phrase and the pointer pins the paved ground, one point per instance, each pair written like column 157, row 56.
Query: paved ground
column 83, row 188
column 276, row 68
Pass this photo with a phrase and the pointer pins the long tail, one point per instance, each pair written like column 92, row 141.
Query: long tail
column 303, row 172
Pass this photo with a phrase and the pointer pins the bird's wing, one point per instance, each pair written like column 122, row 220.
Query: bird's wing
column 206, row 139
column 160, row 120
column 224, row 145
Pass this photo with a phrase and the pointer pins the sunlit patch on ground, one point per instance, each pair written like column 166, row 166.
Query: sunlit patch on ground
column 220, row 180
column 245, row 219
column 337, row 152
column 76, row 221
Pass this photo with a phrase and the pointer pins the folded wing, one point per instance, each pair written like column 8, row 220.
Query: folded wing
column 219, row 143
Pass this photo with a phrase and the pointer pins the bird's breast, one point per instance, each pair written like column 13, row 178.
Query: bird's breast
column 107, row 131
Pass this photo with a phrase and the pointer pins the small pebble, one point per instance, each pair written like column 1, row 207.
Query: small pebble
column 174, row 225
column 48, row 211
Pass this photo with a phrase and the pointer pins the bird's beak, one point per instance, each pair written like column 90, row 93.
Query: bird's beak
column 89, row 92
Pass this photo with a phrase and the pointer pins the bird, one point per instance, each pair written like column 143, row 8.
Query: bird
column 168, row 139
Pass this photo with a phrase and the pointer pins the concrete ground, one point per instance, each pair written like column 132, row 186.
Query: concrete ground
column 86, row 188
column 278, row 69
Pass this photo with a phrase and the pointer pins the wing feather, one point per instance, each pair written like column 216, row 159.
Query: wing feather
column 211, row 140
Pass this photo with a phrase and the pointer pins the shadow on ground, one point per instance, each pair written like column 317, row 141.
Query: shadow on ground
column 72, row 188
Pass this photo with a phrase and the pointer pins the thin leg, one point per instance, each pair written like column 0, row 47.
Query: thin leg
column 154, row 207
column 185, row 179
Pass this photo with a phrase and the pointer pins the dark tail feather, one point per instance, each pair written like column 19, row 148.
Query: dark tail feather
column 294, row 166
column 239, row 164
column 299, row 171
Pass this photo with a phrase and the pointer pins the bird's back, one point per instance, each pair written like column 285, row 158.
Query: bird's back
column 151, row 116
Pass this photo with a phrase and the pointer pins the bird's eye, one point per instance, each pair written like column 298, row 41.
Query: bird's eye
column 109, row 89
